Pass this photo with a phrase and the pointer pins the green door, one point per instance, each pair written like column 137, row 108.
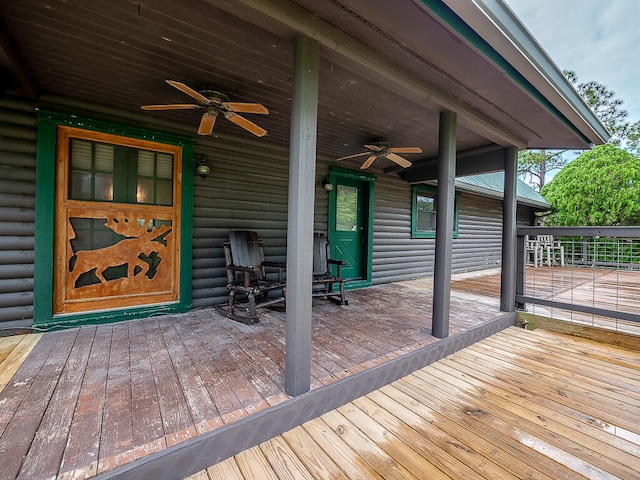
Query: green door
column 350, row 226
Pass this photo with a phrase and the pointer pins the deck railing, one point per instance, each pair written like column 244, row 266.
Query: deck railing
column 599, row 283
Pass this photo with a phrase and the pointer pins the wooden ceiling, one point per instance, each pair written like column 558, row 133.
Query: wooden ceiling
column 387, row 68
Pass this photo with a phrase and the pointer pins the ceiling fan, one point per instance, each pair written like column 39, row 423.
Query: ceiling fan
column 215, row 103
column 384, row 150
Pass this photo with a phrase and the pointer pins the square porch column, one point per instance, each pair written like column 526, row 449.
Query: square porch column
column 302, row 174
column 445, row 204
column 509, row 209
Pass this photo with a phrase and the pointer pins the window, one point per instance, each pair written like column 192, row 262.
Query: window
column 118, row 173
column 423, row 212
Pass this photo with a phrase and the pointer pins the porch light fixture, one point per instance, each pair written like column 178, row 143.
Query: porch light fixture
column 202, row 168
column 327, row 185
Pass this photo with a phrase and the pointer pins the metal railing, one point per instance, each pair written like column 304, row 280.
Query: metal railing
column 584, row 274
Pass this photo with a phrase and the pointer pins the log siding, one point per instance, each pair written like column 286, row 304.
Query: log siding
column 246, row 189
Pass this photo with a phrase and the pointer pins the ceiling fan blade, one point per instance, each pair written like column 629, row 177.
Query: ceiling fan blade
column 206, row 124
column 368, row 162
column 246, row 124
column 406, row 150
column 354, row 156
column 246, row 107
column 189, row 91
column 399, row 160
column 375, row 148
column 174, row 106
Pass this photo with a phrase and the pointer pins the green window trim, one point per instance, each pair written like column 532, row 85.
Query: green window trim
column 46, row 159
column 429, row 192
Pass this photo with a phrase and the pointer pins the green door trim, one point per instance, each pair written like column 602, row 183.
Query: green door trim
column 334, row 174
column 45, row 220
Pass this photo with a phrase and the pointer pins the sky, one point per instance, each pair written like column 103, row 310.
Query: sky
column 598, row 39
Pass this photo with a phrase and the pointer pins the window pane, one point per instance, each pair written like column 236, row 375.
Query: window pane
column 146, row 163
column 80, row 155
column 346, row 208
column 104, row 158
column 164, row 192
column 107, row 173
column 103, row 187
column 165, row 165
column 80, row 185
column 144, row 193
column 425, row 213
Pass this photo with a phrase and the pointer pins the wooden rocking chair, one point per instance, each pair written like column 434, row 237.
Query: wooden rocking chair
column 323, row 277
column 246, row 275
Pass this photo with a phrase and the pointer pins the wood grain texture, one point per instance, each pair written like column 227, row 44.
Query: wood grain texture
column 511, row 406
column 507, row 407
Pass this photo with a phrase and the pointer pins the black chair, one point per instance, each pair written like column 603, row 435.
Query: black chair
column 247, row 277
column 323, row 277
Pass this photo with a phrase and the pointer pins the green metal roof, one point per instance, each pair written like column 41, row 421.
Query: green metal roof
column 492, row 184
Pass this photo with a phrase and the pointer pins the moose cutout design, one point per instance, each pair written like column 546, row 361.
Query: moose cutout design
column 141, row 241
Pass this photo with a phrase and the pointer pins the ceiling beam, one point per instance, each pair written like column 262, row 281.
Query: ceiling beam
column 423, row 93
column 10, row 57
column 473, row 164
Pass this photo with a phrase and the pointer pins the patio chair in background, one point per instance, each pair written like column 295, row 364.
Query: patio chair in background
column 553, row 249
column 533, row 251
column 323, row 277
column 247, row 277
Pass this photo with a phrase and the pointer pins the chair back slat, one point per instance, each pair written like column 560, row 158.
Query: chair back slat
column 246, row 250
column 320, row 254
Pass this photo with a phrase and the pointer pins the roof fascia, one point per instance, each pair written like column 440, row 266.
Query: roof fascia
column 527, row 63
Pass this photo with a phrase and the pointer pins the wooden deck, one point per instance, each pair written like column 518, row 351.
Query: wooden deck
column 519, row 404
column 615, row 290
column 90, row 399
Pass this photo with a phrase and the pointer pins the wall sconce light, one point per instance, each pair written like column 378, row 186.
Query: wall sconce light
column 202, row 168
column 327, row 185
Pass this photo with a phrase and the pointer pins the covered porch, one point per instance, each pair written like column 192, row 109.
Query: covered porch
column 159, row 396
column 88, row 400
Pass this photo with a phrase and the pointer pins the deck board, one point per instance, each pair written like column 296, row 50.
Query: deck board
column 80, row 458
column 483, row 412
column 150, row 383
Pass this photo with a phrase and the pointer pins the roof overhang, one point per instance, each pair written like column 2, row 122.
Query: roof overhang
column 387, row 69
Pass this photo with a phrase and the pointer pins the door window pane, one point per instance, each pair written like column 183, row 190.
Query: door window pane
column 346, row 208
column 124, row 174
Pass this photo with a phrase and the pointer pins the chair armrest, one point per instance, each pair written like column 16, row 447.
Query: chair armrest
column 280, row 266
column 237, row 268
column 274, row 264
column 247, row 273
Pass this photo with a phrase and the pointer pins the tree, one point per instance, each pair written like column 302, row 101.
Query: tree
column 533, row 165
column 600, row 187
column 608, row 110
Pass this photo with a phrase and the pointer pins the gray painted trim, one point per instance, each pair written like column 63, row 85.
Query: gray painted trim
column 508, row 277
column 196, row 454
column 631, row 317
column 445, row 205
column 501, row 28
column 484, row 162
column 302, row 175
